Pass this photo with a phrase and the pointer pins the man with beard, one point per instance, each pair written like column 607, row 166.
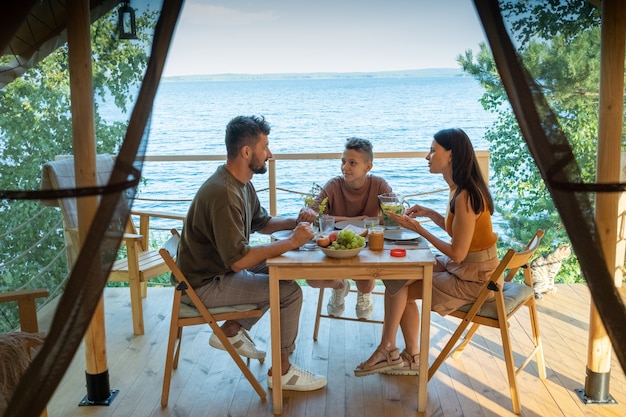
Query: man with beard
column 216, row 256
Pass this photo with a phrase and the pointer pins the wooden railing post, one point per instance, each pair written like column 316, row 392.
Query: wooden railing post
column 272, row 185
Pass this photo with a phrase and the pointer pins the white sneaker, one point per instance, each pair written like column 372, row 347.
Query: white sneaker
column 242, row 342
column 297, row 379
column 336, row 304
column 364, row 306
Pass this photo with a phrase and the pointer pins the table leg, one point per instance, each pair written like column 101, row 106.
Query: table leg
column 277, row 387
column 422, row 390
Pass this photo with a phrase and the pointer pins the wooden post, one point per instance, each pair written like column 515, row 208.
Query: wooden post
column 272, row 185
column 607, row 204
column 84, row 143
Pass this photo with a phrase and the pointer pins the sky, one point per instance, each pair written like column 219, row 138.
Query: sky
column 300, row 36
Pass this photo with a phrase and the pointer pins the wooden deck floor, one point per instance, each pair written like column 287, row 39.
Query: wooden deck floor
column 207, row 382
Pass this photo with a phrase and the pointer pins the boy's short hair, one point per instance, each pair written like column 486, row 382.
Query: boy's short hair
column 361, row 145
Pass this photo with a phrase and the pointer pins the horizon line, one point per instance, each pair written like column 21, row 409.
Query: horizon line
column 239, row 74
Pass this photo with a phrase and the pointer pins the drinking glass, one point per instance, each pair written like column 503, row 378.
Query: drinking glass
column 327, row 224
column 370, row 222
column 376, row 238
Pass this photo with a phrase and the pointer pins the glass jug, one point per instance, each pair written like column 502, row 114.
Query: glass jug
column 394, row 203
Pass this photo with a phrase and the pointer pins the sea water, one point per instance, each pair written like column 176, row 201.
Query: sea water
column 310, row 114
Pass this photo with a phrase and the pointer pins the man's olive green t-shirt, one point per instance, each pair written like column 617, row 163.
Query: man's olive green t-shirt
column 221, row 218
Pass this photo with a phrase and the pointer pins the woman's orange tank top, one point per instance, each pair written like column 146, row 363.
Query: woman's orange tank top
column 484, row 237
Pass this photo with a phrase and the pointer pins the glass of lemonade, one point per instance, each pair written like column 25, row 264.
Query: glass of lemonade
column 394, row 203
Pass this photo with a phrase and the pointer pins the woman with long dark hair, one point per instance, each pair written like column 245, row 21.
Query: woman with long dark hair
column 465, row 261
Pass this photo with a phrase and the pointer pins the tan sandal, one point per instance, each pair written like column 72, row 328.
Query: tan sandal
column 410, row 365
column 385, row 365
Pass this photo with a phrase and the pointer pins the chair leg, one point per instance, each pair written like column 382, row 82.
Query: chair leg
column 238, row 360
column 136, row 305
column 466, row 339
column 179, row 342
column 508, row 352
column 510, row 367
column 171, row 360
column 134, row 282
column 318, row 314
column 534, row 324
column 447, row 348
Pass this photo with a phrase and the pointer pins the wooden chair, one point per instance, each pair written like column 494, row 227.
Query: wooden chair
column 140, row 263
column 319, row 315
column 26, row 306
column 27, row 310
column 187, row 315
column 509, row 298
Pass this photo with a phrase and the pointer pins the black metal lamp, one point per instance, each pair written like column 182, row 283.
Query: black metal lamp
column 126, row 24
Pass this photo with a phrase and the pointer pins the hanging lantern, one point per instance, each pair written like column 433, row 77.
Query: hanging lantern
column 126, row 24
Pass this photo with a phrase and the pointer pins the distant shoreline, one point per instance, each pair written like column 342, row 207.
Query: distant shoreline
column 430, row 72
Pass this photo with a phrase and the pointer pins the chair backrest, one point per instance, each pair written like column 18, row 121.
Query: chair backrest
column 168, row 253
column 59, row 174
column 513, row 260
column 171, row 245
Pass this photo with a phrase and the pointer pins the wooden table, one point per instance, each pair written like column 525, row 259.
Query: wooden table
column 417, row 264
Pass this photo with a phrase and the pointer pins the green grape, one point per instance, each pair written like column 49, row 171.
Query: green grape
column 347, row 239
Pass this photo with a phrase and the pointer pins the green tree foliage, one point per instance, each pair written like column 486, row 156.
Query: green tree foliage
column 559, row 44
column 35, row 126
